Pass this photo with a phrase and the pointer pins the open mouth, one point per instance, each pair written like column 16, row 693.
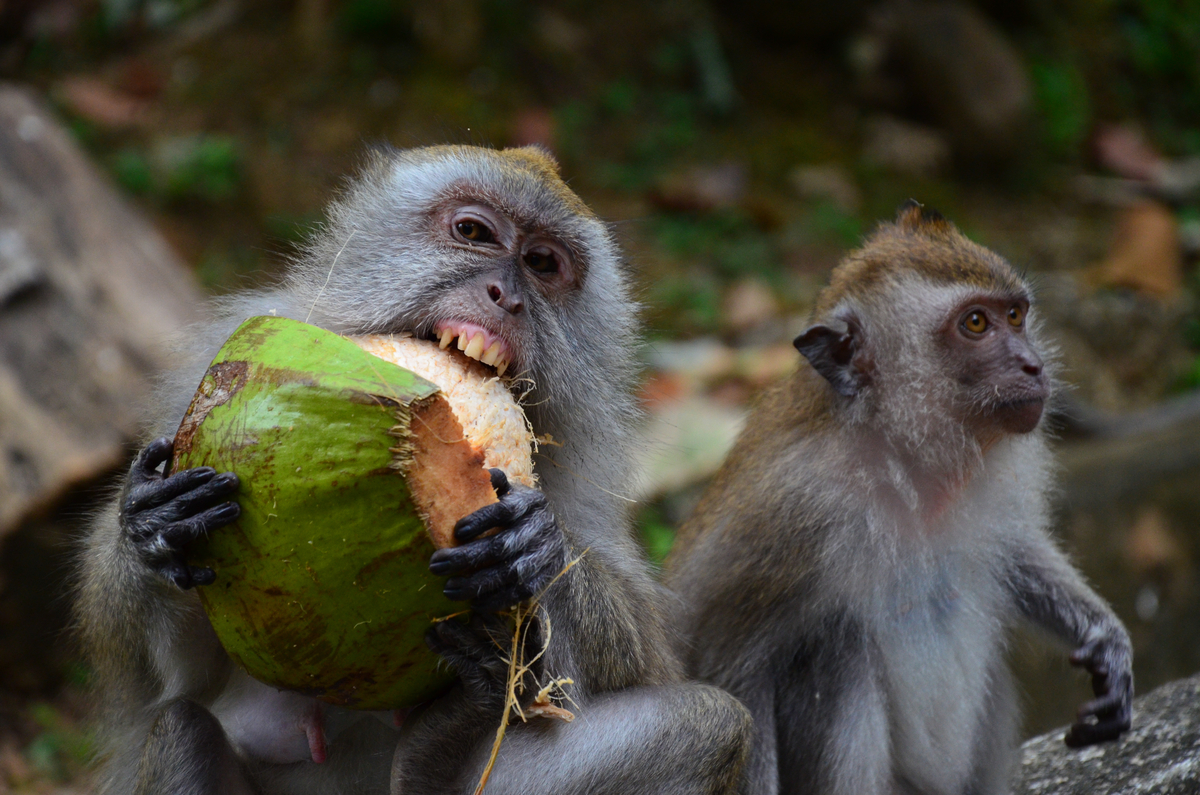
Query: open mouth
column 476, row 342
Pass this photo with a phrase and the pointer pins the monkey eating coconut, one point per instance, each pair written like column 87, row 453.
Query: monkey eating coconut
column 357, row 456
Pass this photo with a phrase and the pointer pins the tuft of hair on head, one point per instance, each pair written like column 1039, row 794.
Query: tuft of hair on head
column 537, row 157
column 916, row 217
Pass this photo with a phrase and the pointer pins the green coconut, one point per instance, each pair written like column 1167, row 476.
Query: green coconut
column 353, row 470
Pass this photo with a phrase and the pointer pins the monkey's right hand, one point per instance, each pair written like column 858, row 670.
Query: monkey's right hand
column 161, row 515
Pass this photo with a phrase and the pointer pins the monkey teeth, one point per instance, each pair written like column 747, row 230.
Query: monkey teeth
column 473, row 345
column 474, row 348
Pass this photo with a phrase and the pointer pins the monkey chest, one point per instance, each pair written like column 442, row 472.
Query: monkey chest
column 937, row 646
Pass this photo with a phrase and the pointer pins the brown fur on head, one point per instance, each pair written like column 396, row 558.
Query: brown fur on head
column 920, row 242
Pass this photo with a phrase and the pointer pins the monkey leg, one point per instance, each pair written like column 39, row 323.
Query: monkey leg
column 996, row 735
column 187, row 753
column 681, row 739
column 831, row 716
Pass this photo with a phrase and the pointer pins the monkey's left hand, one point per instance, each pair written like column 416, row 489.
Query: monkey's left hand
column 1109, row 659
column 478, row 651
column 499, row 571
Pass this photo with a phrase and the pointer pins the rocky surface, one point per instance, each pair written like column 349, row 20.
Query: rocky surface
column 1160, row 756
column 89, row 291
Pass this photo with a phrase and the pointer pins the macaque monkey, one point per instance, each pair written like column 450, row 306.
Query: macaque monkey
column 851, row 571
column 492, row 251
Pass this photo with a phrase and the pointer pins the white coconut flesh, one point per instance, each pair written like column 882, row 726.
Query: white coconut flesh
column 491, row 431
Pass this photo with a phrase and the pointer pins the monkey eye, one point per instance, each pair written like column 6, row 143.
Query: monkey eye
column 1016, row 316
column 975, row 322
column 474, row 231
column 541, row 261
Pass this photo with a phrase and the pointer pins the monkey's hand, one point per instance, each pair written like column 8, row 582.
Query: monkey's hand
column 161, row 515
column 479, row 651
column 499, row 571
column 1109, row 659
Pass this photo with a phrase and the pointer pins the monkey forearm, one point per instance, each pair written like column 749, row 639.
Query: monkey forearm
column 1049, row 592
column 133, row 621
column 605, row 629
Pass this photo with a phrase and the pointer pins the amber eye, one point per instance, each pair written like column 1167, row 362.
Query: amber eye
column 1016, row 316
column 541, row 262
column 475, row 232
column 976, row 322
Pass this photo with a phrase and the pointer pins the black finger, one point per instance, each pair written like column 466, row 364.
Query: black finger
column 202, row 575
column 177, row 535
column 503, row 599
column 200, row 498
column 1100, row 683
column 455, row 637
column 472, row 555
column 151, row 458
column 1102, row 707
column 1084, row 734
column 499, row 481
column 496, row 628
column 177, row 572
column 479, row 584
column 153, row 493
column 498, row 514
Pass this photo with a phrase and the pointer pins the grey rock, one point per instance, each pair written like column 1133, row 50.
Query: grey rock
column 1159, row 756
column 89, row 293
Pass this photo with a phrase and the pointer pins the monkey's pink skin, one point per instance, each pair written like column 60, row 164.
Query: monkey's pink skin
column 322, row 584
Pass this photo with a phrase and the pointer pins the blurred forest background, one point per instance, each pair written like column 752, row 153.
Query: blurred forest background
column 739, row 148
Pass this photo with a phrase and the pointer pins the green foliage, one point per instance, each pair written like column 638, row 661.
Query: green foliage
column 684, row 302
column 292, row 229
column 132, row 171
column 224, row 269
column 1063, row 106
column 656, row 533
column 207, row 168
column 727, row 241
column 1190, row 379
column 119, row 14
column 1163, row 37
column 829, row 222
column 710, row 252
column 1162, row 48
column 61, row 750
column 204, row 168
column 375, row 21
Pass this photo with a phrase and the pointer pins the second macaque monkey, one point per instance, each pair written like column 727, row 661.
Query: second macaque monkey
column 851, row 572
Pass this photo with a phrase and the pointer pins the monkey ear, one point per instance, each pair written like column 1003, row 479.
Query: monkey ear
column 837, row 356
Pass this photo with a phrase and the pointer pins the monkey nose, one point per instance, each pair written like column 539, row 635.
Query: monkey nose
column 510, row 302
column 1031, row 365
